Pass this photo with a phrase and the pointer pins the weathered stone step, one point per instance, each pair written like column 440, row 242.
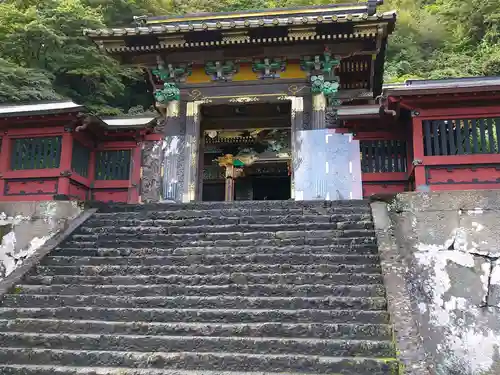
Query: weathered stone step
column 195, row 302
column 200, row 269
column 268, row 204
column 222, row 279
column 250, row 290
column 202, row 361
column 142, row 257
column 197, row 315
column 233, row 233
column 351, row 230
column 324, row 331
column 69, row 370
column 342, row 221
column 90, row 242
column 269, row 250
column 247, row 345
column 232, row 212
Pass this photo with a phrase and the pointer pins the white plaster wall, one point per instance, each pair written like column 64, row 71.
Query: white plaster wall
column 26, row 226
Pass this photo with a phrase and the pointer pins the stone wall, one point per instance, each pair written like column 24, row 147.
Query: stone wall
column 26, row 226
column 446, row 248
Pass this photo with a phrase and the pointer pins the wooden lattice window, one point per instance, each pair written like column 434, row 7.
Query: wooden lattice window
column 80, row 159
column 36, row 153
column 112, row 165
column 461, row 136
column 383, row 156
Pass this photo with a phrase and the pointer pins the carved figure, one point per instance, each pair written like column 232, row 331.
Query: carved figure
column 170, row 92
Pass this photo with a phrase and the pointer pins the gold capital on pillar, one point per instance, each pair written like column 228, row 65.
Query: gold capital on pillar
column 319, row 102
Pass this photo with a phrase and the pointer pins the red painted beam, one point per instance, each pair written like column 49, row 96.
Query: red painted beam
column 462, row 159
column 386, row 176
column 111, row 184
column 461, row 113
column 27, row 198
column 418, row 150
column 35, row 132
column 80, row 179
column 452, row 187
column 33, row 173
column 116, row 145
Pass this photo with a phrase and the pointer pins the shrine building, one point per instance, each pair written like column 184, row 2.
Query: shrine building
column 270, row 104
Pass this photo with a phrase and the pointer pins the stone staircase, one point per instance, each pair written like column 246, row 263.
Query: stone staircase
column 205, row 288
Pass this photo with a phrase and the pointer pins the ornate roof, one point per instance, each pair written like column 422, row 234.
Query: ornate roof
column 41, row 108
column 437, row 86
column 353, row 21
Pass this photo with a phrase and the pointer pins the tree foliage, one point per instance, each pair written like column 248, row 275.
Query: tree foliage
column 45, row 56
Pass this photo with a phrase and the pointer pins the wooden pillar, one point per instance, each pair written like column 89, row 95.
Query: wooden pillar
column 418, row 152
column 161, row 172
column 91, row 173
column 63, row 184
column 298, row 119
column 319, row 111
column 5, row 156
column 135, row 174
column 229, row 184
column 191, row 152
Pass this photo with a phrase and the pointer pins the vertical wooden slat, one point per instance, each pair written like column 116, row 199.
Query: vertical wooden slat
column 491, row 138
column 428, row 138
column 370, row 160
column 451, row 137
column 458, row 131
column 435, row 136
column 497, row 132
column 482, row 132
column 475, row 141
column 443, row 137
column 404, row 153
column 377, row 153
column 467, row 136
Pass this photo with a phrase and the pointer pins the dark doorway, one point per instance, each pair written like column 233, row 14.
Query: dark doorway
column 272, row 188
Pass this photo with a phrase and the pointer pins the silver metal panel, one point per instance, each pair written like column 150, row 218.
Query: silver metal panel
column 327, row 166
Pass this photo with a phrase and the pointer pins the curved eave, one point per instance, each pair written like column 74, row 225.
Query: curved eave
column 40, row 109
column 190, row 27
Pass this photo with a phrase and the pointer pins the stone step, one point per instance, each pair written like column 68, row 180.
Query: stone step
column 168, row 258
column 202, row 361
column 233, row 233
column 240, row 345
column 268, row 204
column 198, row 315
column 221, row 279
column 226, row 251
column 250, row 290
column 195, row 302
column 320, row 331
column 232, row 212
column 342, row 221
column 69, row 370
column 169, row 241
column 352, row 230
column 200, row 269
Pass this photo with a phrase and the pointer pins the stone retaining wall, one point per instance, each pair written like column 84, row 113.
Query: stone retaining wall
column 444, row 248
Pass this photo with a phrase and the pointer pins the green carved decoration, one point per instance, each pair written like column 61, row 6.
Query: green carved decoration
column 168, row 93
column 325, row 64
column 221, row 71
column 172, row 73
column 328, row 88
column 269, row 68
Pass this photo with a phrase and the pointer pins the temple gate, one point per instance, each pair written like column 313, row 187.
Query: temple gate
column 282, row 73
